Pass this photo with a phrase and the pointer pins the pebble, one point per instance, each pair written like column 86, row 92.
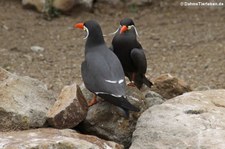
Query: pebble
column 5, row 27
column 37, row 49
column 28, row 57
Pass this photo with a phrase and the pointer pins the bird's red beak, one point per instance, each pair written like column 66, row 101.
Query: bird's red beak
column 79, row 25
column 123, row 29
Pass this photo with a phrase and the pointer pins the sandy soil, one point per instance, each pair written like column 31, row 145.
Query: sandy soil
column 188, row 43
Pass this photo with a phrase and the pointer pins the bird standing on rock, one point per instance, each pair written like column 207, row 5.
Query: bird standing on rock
column 102, row 72
column 130, row 53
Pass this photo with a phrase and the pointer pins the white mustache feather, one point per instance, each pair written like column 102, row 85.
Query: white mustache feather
column 115, row 31
column 136, row 32
column 135, row 29
column 87, row 31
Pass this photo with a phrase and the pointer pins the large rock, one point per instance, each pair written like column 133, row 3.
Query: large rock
column 70, row 108
column 192, row 120
column 86, row 3
column 24, row 102
column 106, row 121
column 63, row 5
column 38, row 4
column 46, row 138
column 169, row 86
column 49, row 6
column 138, row 2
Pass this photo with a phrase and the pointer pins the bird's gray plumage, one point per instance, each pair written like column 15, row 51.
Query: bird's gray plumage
column 99, row 68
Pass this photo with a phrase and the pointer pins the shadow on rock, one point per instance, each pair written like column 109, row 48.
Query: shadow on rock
column 106, row 121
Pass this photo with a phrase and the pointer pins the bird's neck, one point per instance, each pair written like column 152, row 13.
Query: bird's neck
column 94, row 40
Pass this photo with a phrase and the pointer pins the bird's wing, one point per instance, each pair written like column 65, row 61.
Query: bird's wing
column 139, row 60
column 87, row 78
column 103, row 73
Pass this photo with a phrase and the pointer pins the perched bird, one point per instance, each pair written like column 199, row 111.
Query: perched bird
column 130, row 53
column 102, row 72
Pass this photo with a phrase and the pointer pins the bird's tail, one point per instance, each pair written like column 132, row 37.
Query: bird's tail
column 147, row 82
column 120, row 102
column 140, row 79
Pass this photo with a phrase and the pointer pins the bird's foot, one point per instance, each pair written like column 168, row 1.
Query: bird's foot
column 131, row 84
column 92, row 101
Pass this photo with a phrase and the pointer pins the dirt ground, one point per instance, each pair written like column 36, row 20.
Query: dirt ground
column 188, row 43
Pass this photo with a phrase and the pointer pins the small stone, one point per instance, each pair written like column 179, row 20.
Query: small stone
column 169, row 86
column 37, row 49
column 28, row 57
column 5, row 27
column 152, row 98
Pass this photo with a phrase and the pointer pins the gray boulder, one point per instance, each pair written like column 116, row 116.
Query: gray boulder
column 69, row 109
column 192, row 120
column 47, row 138
column 106, row 120
column 24, row 102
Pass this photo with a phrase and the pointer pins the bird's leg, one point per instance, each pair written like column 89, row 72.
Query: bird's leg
column 93, row 101
column 132, row 81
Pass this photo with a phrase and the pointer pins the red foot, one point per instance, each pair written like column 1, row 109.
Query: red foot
column 131, row 84
column 93, row 101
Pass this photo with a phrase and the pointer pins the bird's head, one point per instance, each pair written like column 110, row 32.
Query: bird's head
column 91, row 27
column 126, row 24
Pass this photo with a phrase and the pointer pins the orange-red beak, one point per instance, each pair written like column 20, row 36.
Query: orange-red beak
column 123, row 29
column 79, row 25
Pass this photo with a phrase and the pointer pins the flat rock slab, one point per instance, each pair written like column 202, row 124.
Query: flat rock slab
column 48, row 138
column 192, row 120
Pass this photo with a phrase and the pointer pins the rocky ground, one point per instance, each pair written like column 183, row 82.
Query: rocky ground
column 186, row 42
column 191, row 120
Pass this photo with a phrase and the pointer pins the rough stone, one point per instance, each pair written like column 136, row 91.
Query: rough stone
column 86, row 3
column 38, row 4
column 64, row 5
column 24, row 102
column 37, row 49
column 192, row 120
column 139, row 2
column 114, row 2
column 105, row 120
column 70, row 108
column 153, row 98
column 46, row 138
column 169, row 86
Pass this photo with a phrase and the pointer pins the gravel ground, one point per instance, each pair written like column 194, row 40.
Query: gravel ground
column 186, row 42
